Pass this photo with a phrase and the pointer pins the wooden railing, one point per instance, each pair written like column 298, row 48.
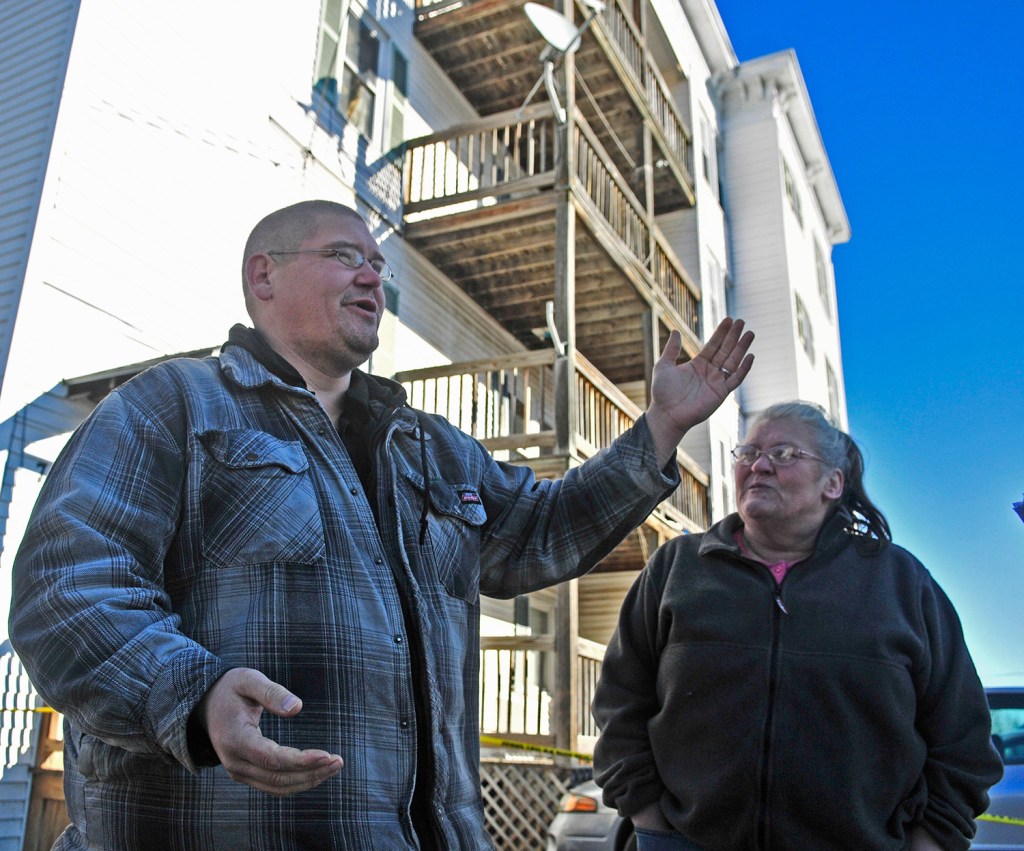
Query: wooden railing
column 677, row 287
column 601, row 181
column 517, row 686
column 624, row 34
column 470, row 164
column 627, row 38
column 508, row 404
column 435, row 7
column 603, row 412
column 589, row 655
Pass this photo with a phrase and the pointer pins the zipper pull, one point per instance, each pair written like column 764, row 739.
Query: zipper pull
column 778, row 600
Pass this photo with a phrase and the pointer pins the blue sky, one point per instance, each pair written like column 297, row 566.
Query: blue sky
column 921, row 110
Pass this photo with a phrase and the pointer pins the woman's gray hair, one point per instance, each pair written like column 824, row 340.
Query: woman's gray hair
column 837, row 448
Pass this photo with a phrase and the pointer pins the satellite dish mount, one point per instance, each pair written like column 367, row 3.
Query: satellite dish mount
column 562, row 38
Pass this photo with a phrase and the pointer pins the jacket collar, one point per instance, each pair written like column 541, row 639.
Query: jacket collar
column 241, row 366
column 832, row 537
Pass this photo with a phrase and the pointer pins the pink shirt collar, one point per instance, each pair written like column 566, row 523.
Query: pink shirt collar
column 779, row 569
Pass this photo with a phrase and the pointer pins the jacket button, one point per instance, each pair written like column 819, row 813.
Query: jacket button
column 251, row 456
column 403, row 724
column 399, row 639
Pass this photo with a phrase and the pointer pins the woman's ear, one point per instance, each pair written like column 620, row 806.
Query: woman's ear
column 834, row 485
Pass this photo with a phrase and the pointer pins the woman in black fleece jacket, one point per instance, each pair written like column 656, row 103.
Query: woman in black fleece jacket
column 791, row 679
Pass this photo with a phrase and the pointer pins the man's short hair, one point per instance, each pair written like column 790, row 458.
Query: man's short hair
column 285, row 229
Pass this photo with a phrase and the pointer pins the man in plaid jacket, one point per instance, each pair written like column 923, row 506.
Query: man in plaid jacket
column 251, row 582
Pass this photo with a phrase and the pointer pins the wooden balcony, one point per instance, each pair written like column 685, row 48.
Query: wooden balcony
column 481, row 203
column 490, row 51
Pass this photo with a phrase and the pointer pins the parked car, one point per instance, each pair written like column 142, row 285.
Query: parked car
column 1007, row 796
column 584, row 823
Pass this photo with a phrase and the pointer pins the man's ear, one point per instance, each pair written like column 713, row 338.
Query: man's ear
column 257, row 276
column 834, row 485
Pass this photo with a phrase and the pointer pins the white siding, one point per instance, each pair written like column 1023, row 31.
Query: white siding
column 35, row 38
column 19, row 732
column 756, row 204
column 770, row 131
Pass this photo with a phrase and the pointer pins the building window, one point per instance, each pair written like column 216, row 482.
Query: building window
column 791, row 193
column 709, row 154
column 833, row 391
column 714, row 291
column 821, row 271
column 803, row 328
column 347, row 78
column 399, row 98
column 391, row 297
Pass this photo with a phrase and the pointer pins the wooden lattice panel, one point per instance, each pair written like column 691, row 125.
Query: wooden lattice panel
column 520, row 800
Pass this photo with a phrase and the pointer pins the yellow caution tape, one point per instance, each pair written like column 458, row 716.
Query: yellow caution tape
column 1001, row 819
column 493, row 742
column 27, row 709
column 490, row 741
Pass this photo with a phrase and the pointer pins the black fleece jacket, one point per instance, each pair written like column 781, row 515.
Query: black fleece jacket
column 833, row 712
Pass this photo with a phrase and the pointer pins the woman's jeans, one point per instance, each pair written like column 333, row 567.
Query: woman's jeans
column 657, row 840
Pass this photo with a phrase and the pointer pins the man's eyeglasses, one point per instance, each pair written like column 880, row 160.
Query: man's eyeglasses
column 347, row 257
column 780, row 456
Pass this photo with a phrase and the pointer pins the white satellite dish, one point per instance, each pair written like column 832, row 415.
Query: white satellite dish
column 556, row 29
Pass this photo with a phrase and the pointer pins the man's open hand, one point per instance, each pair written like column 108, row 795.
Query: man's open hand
column 685, row 394
column 230, row 711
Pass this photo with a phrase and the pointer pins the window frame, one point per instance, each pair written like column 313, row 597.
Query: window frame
column 348, row 67
column 832, row 382
column 822, row 275
column 804, row 328
column 792, row 192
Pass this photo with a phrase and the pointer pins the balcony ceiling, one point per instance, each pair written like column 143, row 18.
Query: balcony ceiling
column 506, row 263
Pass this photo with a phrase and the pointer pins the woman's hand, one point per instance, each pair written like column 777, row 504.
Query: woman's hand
column 651, row 818
column 921, row 840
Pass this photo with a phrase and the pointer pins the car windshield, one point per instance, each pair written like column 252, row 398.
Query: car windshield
column 1008, row 726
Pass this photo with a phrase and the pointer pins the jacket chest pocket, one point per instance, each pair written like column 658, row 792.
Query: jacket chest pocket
column 259, row 501
column 451, row 547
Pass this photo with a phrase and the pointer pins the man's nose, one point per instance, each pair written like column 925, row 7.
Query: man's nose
column 366, row 276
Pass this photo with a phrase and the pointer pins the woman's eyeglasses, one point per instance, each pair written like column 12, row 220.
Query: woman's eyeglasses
column 780, row 456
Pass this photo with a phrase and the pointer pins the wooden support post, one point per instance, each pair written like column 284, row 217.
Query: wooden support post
column 564, row 718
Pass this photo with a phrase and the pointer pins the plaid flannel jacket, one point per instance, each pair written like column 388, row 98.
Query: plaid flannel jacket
column 207, row 516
